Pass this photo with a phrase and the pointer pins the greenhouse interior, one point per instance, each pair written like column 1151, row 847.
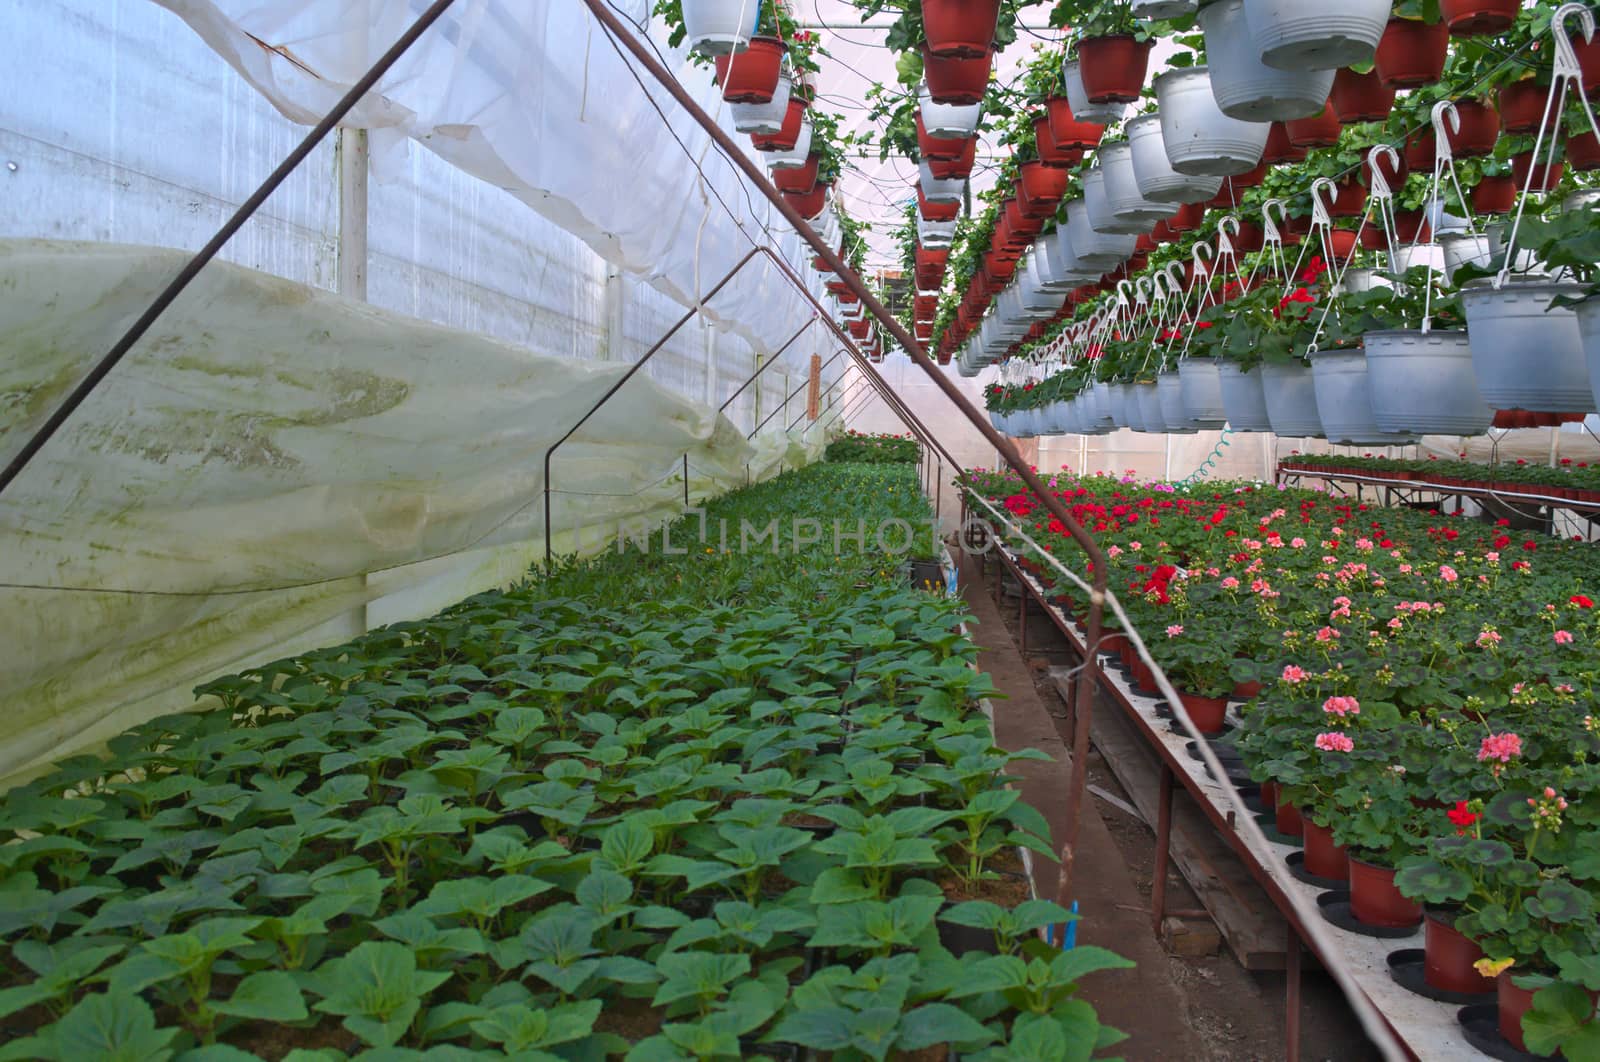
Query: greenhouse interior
column 983, row 530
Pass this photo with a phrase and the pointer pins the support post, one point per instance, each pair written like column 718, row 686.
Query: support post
column 1291, row 1002
column 1158, row 885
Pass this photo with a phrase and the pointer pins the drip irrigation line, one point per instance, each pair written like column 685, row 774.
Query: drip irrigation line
column 220, row 239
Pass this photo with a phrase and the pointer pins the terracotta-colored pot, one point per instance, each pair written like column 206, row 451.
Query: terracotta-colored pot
column 1269, row 794
column 1317, row 131
column 810, row 204
column 1412, row 53
column 1494, row 195
column 1126, row 653
column 1349, row 200
column 1583, row 152
column 1207, row 713
column 1522, row 106
column 1288, row 820
column 1343, row 242
column 939, row 147
column 1449, row 955
column 1246, row 691
column 784, row 139
column 1513, row 1003
column 1043, row 184
column 1478, row 18
column 799, row 179
column 1113, row 68
column 1545, row 175
column 1420, row 148
column 1589, row 63
column 1069, row 132
column 956, row 80
column 1375, row 900
column 1361, row 97
column 751, row 76
column 1187, row 218
column 936, row 211
column 1480, row 129
column 1249, row 180
column 1143, row 677
column 1279, row 151
column 1411, row 226
column 960, row 28
column 958, row 168
column 1324, row 858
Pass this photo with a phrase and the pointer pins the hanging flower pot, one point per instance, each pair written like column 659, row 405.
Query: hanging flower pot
column 1068, row 131
column 1249, row 239
column 1342, row 242
column 1424, row 383
column 716, row 27
column 1169, row 399
column 1051, row 153
column 1449, row 955
column 1544, row 175
column 1420, row 148
column 1199, row 138
column 1361, row 97
column 1526, row 358
column 937, row 190
column 1133, row 212
column 1589, row 334
column 1371, row 239
column 764, row 118
column 751, row 76
column 1522, row 107
column 1412, row 53
column 1291, row 397
column 1480, row 130
column 924, row 331
column 810, row 204
column 1318, row 131
column 1244, row 86
column 1113, row 68
column 1494, row 195
column 956, row 169
column 939, row 148
column 800, row 179
column 1374, row 899
column 1583, row 151
column 960, row 81
column 1313, row 35
column 1187, row 218
column 1201, row 388
column 1280, row 151
column 960, row 28
column 1078, row 97
column 1349, row 200
column 1243, row 401
column 861, row 329
column 787, row 136
column 1412, row 226
column 1478, row 18
column 1461, row 248
column 1095, row 250
column 1043, row 185
column 947, row 120
column 932, row 211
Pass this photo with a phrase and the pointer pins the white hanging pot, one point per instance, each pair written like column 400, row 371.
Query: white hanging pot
column 1095, row 250
column 764, row 119
column 1122, row 188
column 1078, row 99
column 935, row 235
column 1425, row 383
column 1344, row 400
column 1065, row 261
column 940, row 190
column 1422, row 254
column 949, row 121
column 796, row 156
column 1199, row 139
column 1156, row 10
column 1169, row 390
column 1525, row 261
column 1316, row 34
column 1359, row 279
column 1242, row 397
column 1125, row 406
column 1100, row 420
column 1526, row 357
column 1202, row 393
column 1152, row 170
column 1588, row 315
column 1291, row 396
column 1584, row 200
column 717, row 27
column 1463, row 248
column 1148, row 398
column 1244, row 86
column 1102, row 214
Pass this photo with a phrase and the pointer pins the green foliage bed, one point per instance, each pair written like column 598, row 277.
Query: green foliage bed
column 874, row 449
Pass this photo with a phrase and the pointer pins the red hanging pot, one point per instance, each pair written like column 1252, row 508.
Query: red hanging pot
column 924, row 305
column 1411, row 226
column 1494, row 195
column 848, row 297
column 1412, row 53
column 1137, row 262
column 1318, row 131
column 960, row 28
column 862, row 328
column 936, row 147
column 1420, row 149
column 930, row 276
column 1583, row 151
column 1478, row 18
column 924, row 331
column 1375, row 900
column 1069, row 132
column 1448, row 957
column 1113, row 68
column 1393, row 171
column 1295, row 229
column 1188, row 218
column 1589, row 61
column 1051, row 153
column 1206, row 713
column 1162, row 234
column 1373, row 239
column 1043, row 184
column 1545, row 175
column 1480, row 129
column 1251, row 238
column 1323, row 858
column 800, row 179
column 956, row 80
column 1360, row 97
column 1280, row 151
column 958, row 169
column 1350, row 199
column 810, row 204
column 751, row 76
column 1249, row 180
column 932, row 211
column 1522, row 106
column 784, row 139
column 931, row 256
column 1343, row 243
column 1146, row 243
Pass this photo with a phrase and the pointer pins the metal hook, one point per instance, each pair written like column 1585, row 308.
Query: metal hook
column 1567, row 65
column 1322, row 210
column 1380, row 183
column 1446, row 123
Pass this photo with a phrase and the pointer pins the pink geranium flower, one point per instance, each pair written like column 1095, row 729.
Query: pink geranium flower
column 1563, row 637
column 1294, row 674
column 1447, row 573
column 1342, row 706
column 1335, row 743
column 1500, row 747
column 1174, row 630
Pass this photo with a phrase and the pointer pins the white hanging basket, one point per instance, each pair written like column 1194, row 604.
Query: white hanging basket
column 940, row 190
column 1359, row 278
column 1078, row 99
column 1169, row 390
column 1464, row 248
column 1147, row 396
column 1099, row 420
column 1102, row 214
column 1422, row 254
column 1095, row 250
column 1122, row 189
column 1124, row 405
column 935, row 235
column 1291, row 396
column 1202, row 393
column 717, row 27
column 1243, row 399
column 1425, row 383
column 1344, row 400
column 764, row 119
column 796, row 156
column 1199, row 139
column 1316, row 34
column 949, row 121
column 1244, row 86
column 1588, row 315
column 1156, row 10
column 1526, row 353
column 1152, row 170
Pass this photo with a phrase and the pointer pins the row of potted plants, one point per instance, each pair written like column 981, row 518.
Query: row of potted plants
column 1574, row 480
column 699, row 801
column 874, row 448
column 1418, row 708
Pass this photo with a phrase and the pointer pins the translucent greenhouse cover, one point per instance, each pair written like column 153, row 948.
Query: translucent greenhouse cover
column 276, row 467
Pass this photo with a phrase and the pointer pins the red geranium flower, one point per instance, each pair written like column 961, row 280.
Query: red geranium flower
column 1581, row 600
column 1461, row 818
